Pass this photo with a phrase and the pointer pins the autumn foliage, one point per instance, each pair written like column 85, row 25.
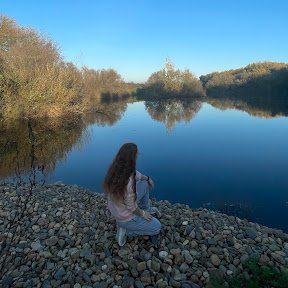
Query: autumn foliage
column 171, row 83
column 35, row 81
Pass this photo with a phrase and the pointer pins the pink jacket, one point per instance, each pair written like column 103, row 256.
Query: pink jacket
column 123, row 210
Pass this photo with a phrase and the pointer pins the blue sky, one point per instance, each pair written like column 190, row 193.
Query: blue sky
column 136, row 36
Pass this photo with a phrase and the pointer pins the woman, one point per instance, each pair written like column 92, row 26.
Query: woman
column 127, row 193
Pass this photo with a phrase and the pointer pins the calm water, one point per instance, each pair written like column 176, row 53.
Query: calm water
column 196, row 153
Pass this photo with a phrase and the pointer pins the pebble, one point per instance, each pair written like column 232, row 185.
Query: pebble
column 51, row 241
column 175, row 252
column 69, row 235
column 278, row 258
column 163, row 254
column 141, row 266
column 155, row 266
column 215, row 260
column 185, row 242
column 229, row 272
column 36, row 246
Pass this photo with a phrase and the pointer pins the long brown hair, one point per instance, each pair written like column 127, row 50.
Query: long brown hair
column 119, row 172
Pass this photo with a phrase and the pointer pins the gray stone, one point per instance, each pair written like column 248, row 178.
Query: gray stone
column 251, row 233
column 244, row 258
column 175, row 251
column 231, row 240
column 278, row 258
column 127, row 282
column 138, row 284
column 184, row 268
column 123, row 252
column 174, row 283
column 36, row 246
column 141, row 266
column 59, row 273
column 187, row 256
column 189, row 284
column 274, row 247
column 132, row 263
column 52, row 241
column 46, row 254
column 215, row 260
column 161, row 284
column 155, row 266
column 229, row 272
column 205, row 274
column 86, row 277
column 164, row 267
column 50, row 265
column 211, row 241
column 74, row 253
column 7, row 281
column 145, row 277
column 236, row 261
column 178, row 259
column 163, row 254
column 232, row 267
column 61, row 243
column 95, row 278
column 180, row 277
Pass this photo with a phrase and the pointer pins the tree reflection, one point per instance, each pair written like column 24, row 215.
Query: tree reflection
column 171, row 111
column 29, row 150
column 107, row 114
column 264, row 108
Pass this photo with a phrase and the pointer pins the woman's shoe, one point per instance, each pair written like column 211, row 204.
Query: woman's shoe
column 121, row 236
column 154, row 211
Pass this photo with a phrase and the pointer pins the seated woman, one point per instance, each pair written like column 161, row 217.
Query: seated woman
column 127, row 193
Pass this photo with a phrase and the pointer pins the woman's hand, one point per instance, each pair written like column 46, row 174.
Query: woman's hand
column 147, row 216
column 151, row 183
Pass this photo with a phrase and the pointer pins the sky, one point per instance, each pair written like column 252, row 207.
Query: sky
column 135, row 37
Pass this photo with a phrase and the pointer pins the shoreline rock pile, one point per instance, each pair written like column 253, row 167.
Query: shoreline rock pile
column 64, row 236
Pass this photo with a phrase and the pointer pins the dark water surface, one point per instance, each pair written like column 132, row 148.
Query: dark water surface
column 197, row 154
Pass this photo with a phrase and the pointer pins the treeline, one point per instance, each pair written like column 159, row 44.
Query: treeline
column 259, row 86
column 35, row 81
column 264, row 79
column 171, row 83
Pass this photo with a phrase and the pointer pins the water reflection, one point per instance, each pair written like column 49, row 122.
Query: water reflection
column 107, row 114
column 268, row 107
column 172, row 111
column 29, row 150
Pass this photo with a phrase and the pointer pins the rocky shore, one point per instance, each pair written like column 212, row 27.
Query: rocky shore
column 64, row 236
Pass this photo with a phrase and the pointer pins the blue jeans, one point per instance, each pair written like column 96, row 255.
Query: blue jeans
column 138, row 225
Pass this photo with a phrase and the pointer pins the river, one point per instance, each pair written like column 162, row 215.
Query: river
column 214, row 155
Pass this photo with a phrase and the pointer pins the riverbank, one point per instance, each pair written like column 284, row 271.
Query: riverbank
column 64, row 236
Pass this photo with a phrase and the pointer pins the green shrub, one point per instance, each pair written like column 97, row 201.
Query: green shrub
column 254, row 276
